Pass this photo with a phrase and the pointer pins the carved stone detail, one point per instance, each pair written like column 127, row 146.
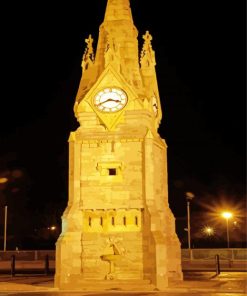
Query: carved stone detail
column 112, row 53
column 147, row 54
column 88, row 56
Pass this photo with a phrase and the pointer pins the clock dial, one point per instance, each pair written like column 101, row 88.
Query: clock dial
column 110, row 100
column 155, row 105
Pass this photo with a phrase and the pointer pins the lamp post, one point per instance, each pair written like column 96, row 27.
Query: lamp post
column 189, row 197
column 5, row 228
column 227, row 216
column 4, row 180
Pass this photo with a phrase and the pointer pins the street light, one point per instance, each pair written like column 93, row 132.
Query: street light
column 189, row 197
column 52, row 228
column 227, row 216
column 4, row 180
column 207, row 230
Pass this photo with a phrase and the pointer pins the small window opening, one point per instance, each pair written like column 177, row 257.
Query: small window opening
column 113, row 221
column 112, row 147
column 101, row 221
column 90, row 221
column 124, row 221
column 112, row 172
column 136, row 220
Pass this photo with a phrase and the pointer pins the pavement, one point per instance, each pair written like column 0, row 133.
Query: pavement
column 194, row 283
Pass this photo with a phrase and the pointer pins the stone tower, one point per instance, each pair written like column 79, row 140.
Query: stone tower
column 117, row 230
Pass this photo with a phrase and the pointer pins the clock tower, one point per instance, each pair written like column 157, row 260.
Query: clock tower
column 118, row 231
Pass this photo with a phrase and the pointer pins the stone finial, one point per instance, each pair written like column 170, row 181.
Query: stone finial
column 147, row 54
column 88, row 56
column 147, row 37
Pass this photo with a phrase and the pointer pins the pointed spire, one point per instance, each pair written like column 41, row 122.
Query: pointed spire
column 118, row 10
column 118, row 44
column 88, row 56
column 147, row 54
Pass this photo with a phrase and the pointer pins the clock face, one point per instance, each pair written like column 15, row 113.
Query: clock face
column 110, row 100
column 155, row 105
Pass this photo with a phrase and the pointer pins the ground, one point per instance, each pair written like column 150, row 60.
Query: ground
column 195, row 283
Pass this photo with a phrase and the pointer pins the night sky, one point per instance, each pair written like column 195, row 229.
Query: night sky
column 200, row 55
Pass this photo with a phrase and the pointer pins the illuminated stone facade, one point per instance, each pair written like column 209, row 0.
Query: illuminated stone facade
column 118, row 231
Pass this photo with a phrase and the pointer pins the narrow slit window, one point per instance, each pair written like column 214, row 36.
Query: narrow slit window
column 136, row 220
column 101, row 221
column 90, row 221
column 124, row 221
column 112, row 172
column 112, row 147
column 113, row 221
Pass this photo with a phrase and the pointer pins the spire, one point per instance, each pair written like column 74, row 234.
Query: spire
column 88, row 56
column 147, row 54
column 118, row 10
column 117, row 48
column 118, row 44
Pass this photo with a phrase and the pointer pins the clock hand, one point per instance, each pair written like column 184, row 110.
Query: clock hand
column 108, row 100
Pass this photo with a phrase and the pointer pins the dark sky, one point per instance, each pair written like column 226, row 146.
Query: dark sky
column 200, row 54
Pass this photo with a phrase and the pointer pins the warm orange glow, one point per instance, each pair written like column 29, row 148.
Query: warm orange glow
column 3, row 180
column 227, row 215
column 52, row 227
column 189, row 195
column 207, row 230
